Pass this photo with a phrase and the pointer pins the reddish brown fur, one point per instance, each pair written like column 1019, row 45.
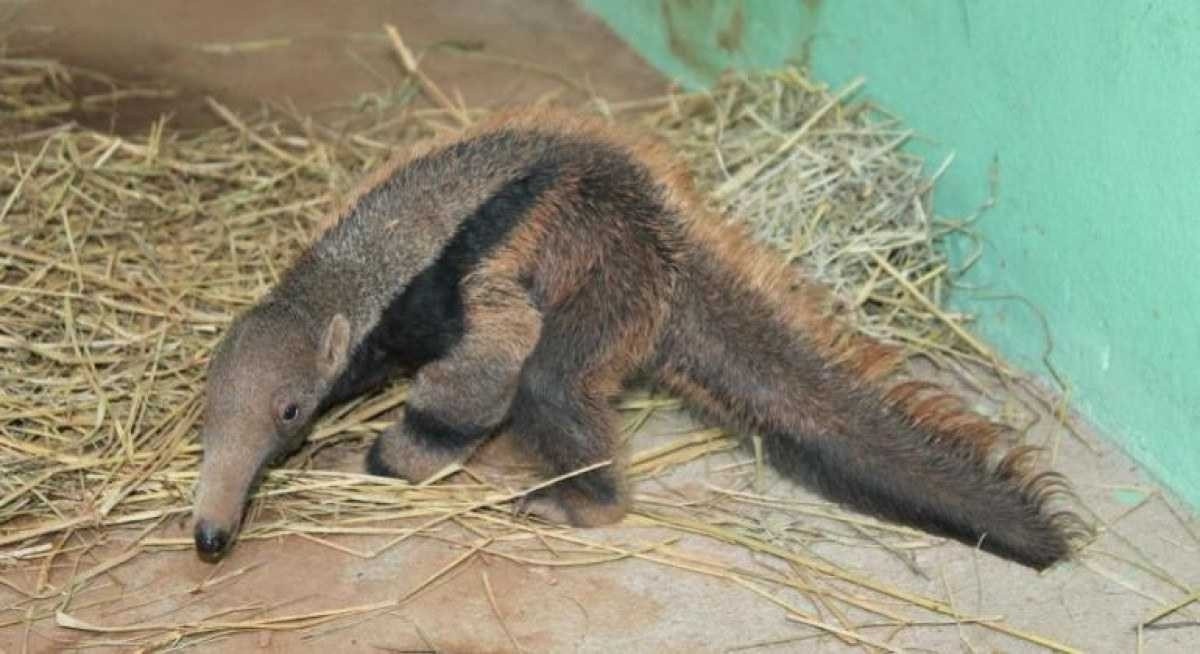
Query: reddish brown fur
column 805, row 306
column 556, row 319
column 801, row 304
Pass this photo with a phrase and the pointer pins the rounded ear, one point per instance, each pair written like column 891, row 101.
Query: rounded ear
column 335, row 346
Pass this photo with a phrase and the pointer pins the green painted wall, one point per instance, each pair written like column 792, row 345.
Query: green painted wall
column 1087, row 115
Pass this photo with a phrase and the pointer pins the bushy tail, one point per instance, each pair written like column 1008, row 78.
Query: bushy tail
column 909, row 453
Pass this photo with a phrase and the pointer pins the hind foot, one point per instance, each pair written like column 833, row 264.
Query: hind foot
column 569, row 506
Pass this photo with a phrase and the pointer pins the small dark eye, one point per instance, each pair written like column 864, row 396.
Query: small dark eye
column 290, row 412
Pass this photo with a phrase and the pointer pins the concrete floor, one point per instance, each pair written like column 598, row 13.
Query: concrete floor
column 1146, row 558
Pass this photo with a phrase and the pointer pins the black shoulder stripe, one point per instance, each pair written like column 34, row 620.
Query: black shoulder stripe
column 493, row 221
column 426, row 319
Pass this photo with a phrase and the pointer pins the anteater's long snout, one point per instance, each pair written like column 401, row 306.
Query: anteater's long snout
column 226, row 479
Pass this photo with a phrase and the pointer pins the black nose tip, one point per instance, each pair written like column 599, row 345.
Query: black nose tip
column 211, row 541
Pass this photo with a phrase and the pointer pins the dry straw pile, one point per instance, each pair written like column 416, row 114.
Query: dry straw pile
column 122, row 258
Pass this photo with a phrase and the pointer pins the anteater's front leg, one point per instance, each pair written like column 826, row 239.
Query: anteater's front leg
column 458, row 401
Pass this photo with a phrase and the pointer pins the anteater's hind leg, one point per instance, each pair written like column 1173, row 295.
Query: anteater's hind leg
column 562, row 413
column 567, row 428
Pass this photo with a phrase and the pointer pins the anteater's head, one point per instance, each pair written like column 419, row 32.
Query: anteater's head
column 265, row 385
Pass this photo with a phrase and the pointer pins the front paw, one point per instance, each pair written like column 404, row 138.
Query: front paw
column 396, row 455
column 378, row 465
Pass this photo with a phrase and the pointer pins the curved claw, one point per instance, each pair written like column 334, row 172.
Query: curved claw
column 542, row 505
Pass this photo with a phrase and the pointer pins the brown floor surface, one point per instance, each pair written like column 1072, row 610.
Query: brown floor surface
column 319, row 52
column 334, row 53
